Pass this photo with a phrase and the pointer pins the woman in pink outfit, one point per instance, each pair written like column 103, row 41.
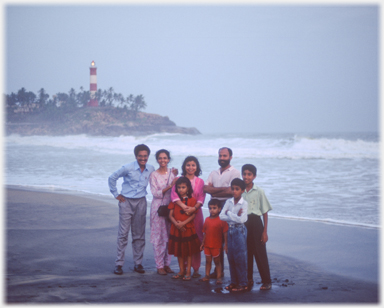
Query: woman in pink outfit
column 191, row 169
column 161, row 182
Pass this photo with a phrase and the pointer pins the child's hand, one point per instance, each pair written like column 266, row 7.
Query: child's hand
column 175, row 171
column 202, row 247
column 264, row 237
column 240, row 212
column 178, row 224
column 183, row 229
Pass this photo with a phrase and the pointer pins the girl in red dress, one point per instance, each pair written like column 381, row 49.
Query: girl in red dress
column 183, row 240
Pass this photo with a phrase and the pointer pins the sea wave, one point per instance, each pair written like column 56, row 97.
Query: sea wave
column 271, row 146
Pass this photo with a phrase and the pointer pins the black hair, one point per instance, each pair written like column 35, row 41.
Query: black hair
column 166, row 152
column 251, row 168
column 141, row 147
column 238, row 182
column 229, row 150
column 188, row 159
column 214, row 202
column 184, row 180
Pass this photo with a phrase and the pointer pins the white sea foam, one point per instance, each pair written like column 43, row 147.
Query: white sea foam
column 289, row 147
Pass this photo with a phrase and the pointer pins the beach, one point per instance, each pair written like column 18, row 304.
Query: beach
column 61, row 247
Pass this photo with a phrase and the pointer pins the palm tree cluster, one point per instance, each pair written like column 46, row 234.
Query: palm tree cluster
column 28, row 102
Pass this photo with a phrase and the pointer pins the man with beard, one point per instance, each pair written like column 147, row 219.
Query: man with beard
column 219, row 187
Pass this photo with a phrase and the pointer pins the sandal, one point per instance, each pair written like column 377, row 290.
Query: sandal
column 250, row 284
column 230, row 287
column 168, row 269
column 266, row 286
column 219, row 281
column 177, row 276
column 161, row 271
column 240, row 289
column 187, row 278
column 196, row 275
column 206, row 278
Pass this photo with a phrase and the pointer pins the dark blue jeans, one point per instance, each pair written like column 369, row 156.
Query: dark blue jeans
column 237, row 254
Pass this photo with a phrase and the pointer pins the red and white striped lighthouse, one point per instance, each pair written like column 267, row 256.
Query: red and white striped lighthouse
column 93, row 86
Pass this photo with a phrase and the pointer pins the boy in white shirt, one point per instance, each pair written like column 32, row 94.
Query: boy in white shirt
column 235, row 214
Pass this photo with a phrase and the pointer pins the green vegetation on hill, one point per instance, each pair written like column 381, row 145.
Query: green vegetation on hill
column 67, row 114
column 26, row 102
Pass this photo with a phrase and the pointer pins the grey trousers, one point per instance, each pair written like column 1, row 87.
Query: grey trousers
column 132, row 215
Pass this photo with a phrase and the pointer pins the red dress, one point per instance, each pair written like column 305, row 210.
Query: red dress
column 187, row 243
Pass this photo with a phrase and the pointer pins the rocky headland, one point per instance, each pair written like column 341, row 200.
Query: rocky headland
column 94, row 121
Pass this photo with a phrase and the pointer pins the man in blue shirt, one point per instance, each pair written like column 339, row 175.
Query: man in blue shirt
column 132, row 206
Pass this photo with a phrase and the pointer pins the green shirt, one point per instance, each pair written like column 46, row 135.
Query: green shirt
column 258, row 203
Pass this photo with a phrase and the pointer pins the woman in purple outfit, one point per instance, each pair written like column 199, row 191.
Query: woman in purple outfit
column 161, row 182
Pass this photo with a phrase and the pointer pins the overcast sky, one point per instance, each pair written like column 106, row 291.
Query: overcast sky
column 220, row 68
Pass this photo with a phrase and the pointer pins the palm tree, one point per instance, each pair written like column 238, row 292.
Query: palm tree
column 62, row 99
column 137, row 105
column 83, row 97
column 129, row 101
column 72, row 101
column 120, row 99
column 43, row 98
column 22, row 97
column 110, row 94
column 30, row 98
column 11, row 101
column 99, row 96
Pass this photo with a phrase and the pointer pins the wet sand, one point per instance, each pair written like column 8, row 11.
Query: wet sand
column 60, row 248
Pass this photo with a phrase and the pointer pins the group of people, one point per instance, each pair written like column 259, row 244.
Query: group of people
column 234, row 224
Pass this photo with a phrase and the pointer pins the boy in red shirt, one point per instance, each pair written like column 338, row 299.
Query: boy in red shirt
column 213, row 230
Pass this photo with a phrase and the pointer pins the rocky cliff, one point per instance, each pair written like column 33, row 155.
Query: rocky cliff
column 95, row 121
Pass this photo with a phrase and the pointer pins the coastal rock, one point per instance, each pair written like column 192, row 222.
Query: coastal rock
column 96, row 121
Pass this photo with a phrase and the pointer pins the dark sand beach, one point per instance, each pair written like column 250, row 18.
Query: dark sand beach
column 60, row 248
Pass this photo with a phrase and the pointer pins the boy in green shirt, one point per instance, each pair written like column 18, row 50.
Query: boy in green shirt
column 258, row 205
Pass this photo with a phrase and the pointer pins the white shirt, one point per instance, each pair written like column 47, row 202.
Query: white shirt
column 224, row 179
column 231, row 217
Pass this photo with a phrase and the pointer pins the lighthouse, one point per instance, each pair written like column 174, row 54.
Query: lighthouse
column 93, row 86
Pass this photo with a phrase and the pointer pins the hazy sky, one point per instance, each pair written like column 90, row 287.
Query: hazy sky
column 219, row 68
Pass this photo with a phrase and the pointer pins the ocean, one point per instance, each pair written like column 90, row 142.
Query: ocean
column 331, row 178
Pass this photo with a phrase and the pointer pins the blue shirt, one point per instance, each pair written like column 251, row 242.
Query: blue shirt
column 135, row 182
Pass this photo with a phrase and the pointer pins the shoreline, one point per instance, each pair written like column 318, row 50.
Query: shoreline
column 109, row 199
column 70, row 244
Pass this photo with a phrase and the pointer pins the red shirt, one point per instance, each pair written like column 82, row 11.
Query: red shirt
column 214, row 229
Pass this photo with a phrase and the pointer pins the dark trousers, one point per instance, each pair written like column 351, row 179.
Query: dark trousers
column 256, row 249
